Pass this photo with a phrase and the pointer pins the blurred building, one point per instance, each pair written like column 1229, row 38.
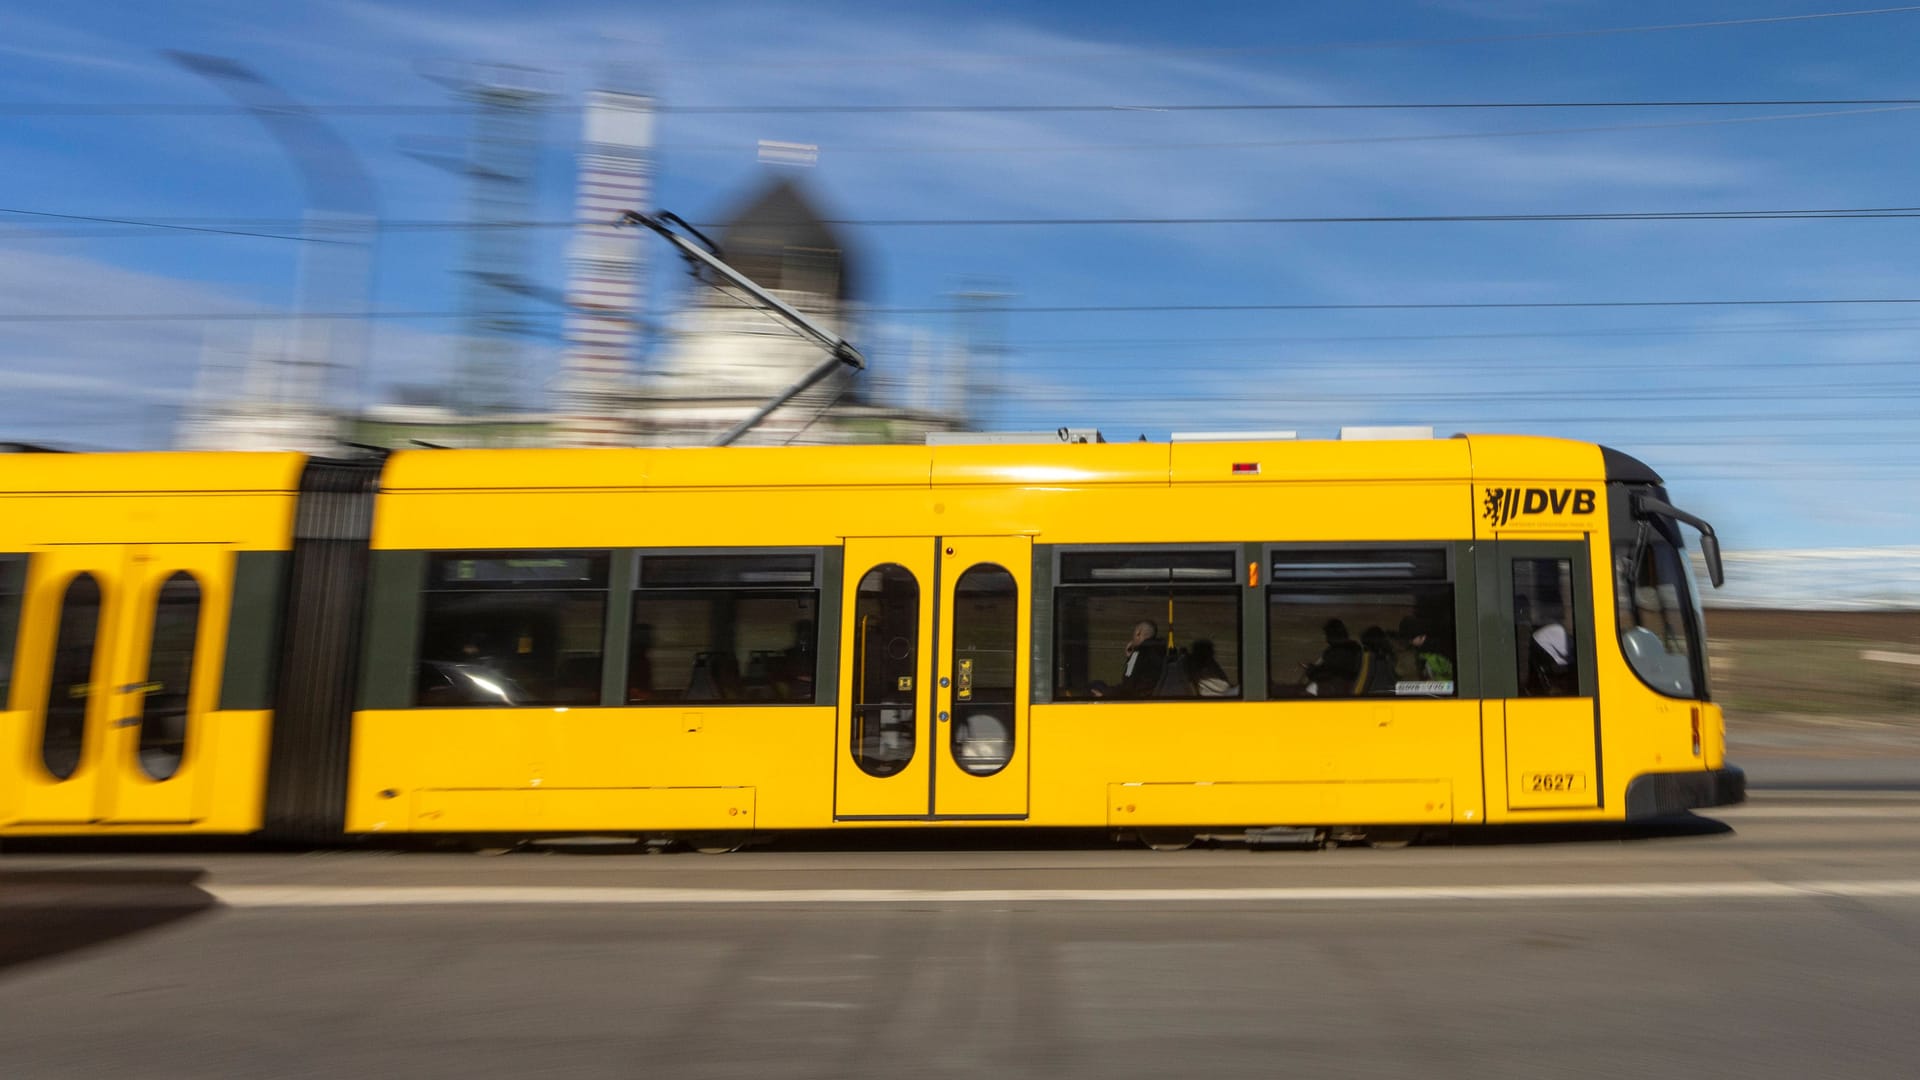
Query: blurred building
column 606, row 273
column 254, row 392
column 709, row 364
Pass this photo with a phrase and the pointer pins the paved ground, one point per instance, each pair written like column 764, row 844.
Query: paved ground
column 1812, row 752
column 1779, row 939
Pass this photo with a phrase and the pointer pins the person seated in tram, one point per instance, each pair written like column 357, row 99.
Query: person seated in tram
column 1146, row 660
column 1552, row 658
column 1549, row 668
column 1430, row 664
column 1338, row 668
column 1204, row 672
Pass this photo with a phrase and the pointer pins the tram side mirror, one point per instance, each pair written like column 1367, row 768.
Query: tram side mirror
column 1710, row 547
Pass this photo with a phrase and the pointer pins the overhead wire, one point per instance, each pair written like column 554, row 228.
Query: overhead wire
column 320, row 231
column 56, row 109
column 1037, row 309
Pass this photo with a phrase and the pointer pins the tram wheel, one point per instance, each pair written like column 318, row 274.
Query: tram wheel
column 1390, row 839
column 1168, row 839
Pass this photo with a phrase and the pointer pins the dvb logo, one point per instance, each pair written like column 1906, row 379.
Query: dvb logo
column 1502, row 505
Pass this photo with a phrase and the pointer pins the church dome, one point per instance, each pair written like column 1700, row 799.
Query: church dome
column 780, row 241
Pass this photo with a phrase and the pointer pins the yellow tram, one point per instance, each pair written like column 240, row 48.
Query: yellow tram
column 1170, row 638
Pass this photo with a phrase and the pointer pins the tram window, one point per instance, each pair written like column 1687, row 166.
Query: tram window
column 13, row 572
column 886, row 621
column 1152, row 623
column 164, row 712
column 72, row 684
column 1360, row 622
column 1547, row 648
column 721, row 629
column 986, row 643
column 512, row 628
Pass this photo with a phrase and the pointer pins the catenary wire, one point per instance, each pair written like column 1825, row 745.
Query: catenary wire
column 1038, row 309
column 52, row 109
column 251, row 227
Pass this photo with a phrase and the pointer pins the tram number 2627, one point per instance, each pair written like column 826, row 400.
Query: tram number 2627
column 1555, row 781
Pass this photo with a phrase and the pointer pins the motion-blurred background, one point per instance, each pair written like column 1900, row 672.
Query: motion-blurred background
column 1683, row 230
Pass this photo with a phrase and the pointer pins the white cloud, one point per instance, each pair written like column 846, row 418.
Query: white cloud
column 99, row 381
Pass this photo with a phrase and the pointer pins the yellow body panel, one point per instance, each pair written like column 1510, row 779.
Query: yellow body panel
column 435, row 770
column 1423, row 802
column 1378, row 746
column 585, row 809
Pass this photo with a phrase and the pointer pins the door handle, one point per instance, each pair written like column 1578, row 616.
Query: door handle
column 127, row 722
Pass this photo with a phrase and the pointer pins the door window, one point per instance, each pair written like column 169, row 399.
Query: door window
column 1547, row 650
column 163, row 724
column 72, row 684
column 986, row 629
column 886, row 628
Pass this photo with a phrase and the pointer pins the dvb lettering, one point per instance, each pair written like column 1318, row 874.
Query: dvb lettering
column 1504, row 504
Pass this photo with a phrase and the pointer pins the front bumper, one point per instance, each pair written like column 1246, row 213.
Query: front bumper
column 1660, row 794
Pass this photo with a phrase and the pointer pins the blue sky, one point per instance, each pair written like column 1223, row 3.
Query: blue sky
column 1790, row 426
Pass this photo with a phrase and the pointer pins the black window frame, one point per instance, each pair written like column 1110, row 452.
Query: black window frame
column 1457, row 578
column 1059, row 585
column 820, row 583
column 598, row 581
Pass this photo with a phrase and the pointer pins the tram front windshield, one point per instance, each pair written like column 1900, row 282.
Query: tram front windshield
column 1660, row 622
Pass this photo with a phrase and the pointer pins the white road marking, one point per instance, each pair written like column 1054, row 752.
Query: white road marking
column 322, row 896
column 1811, row 813
column 1815, row 796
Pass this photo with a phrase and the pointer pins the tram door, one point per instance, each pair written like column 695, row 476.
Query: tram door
column 933, row 710
column 1552, row 715
column 115, row 671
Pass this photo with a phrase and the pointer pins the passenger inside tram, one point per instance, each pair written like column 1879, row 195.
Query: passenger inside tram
column 1337, row 672
column 1146, row 662
column 1430, row 663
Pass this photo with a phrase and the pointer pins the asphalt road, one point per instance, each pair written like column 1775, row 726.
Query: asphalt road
column 1778, row 939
